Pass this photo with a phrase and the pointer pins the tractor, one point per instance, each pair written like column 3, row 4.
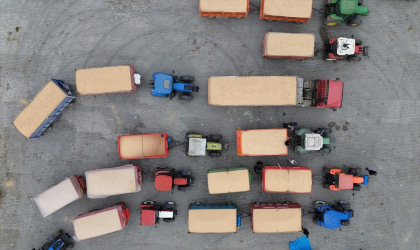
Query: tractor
column 167, row 178
column 332, row 217
column 165, row 85
column 197, row 145
column 339, row 11
column 348, row 178
column 151, row 213
column 345, row 48
column 305, row 140
column 58, row 241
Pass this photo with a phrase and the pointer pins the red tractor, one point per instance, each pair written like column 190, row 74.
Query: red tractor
column 345, row 177
column 167, row 178
column 345, row 48
column 151, row 213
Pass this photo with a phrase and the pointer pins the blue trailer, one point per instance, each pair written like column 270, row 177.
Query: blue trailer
column 37, row 117
column 225, row 218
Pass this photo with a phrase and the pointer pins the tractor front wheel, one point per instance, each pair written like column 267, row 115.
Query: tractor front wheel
column 182, row 188
column 360, row 2
column 185, row 97
column 215, row 154
column 325, row 150
column 215, row 137
column 355, row 22
column 343, row 205
column 317, row 204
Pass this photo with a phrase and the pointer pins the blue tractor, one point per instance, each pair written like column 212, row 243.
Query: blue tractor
column 58, row 241
column 166, row 85
column 330, row 216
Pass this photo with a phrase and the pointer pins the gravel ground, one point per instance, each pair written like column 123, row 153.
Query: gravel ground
column 377, row 127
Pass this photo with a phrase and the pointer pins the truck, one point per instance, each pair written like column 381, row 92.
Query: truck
column 223, row 8
column 286, row 10
column 213, row 218
column 274, row 91
column 107, row 80
column 65, row 192
column 276, row 217
column 261, row 142
column 151, row 213
column 288, row 45
column 100, row 222
column 229, row 180
column 39, row 114
column 347, row 178
column 291, row 179
column 143, row 146
column 105, row 182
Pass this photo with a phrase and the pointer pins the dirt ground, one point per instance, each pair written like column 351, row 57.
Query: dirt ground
column 377, row 127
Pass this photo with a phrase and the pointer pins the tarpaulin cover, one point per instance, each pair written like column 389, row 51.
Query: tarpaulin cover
column 58, row 196
column 301, row 243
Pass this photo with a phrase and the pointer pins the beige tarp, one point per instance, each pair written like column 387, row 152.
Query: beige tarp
column 277, row 220
column 105, row 182
column 288, row 44
column 98, row 223
column 252, row 90
column 239, row 6
column 141, row 146
column 35, row 113
column 212, row 220
column 59, row 196
column 288, row 8
column 264, row 142
column 228, row 182
column 298, row 181
column 104, row 80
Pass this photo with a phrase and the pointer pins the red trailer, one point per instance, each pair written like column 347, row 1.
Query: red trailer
column 277, row 179
column 288, row 45
column 276, row 217
column 143, row 146
column 299, row 11
column 223, row 8
column 261, row 142
column 107, row 80
column 100, row 222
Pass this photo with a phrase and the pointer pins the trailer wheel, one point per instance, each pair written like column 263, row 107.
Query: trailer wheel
column 215, row 154
column 185, row 97
column 355, row 22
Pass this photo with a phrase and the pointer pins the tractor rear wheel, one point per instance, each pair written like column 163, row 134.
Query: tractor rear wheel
column 186, row 79
column 215, row 154
column 215, row 137
column 355, row 22
column 354, row 59
column 330, row 22
column 184, row 172
column 185, row 97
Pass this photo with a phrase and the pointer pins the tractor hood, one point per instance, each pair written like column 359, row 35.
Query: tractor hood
column 335, row 94
column 362, row 10
column 313, row 141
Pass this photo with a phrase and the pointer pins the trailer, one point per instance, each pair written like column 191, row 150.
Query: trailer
column 286, row 10
column 274, row 91
column 37, row 117
column 143, row 146
column 261, row 142
column 276, row 217
column 107, row 80
column 278, row 179
column 288, row 45
column 56, row 197
column 229, row 180
column 223, row 8
column 105, row 182
column 100, row 222
column 212, row 218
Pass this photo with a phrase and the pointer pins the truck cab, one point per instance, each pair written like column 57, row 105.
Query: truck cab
column 322, row 93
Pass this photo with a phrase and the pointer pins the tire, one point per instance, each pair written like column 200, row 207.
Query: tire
column 325, row 150
column 360, row 2
column 185, row 97
column 326, row 130
column 317, row 204
column 148, row 202
column 315, row 220
column 358, row 42
column 356, row 187
column 327, row 58
column 354, row 59
column 326, row 186
column 343, row 204
column 238, row 17
column 186, row 79
column 169, row 205
column 210, row 17
column 182, row 188
column 215, row 137
column 345, row 223
column 215, row 154
column 327, row 169
column 268, row 20
column 352, row 212
column 355, row 22
column 184, row 172
column 354, row 170
column 70, row 246
column 331, row 23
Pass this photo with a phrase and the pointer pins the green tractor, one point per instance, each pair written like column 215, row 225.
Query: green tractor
column 305, row 140
column 197, row 145
column 340, row 11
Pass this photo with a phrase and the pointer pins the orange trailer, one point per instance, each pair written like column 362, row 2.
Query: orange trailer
column 261, row 142
column 299, row 11
column 288, row 45
column 223, row 8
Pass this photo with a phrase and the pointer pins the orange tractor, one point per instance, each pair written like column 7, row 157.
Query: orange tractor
column 349, row 178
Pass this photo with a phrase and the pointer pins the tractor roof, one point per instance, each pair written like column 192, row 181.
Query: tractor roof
column 345, row 181
column 313, row 141
column 197, row 146
column 163, row 182
column 345, row 46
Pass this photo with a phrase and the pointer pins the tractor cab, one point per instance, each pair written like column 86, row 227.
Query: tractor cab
column 340, row 11
column 313, row 141
column 345, row 46
column 166, row 85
